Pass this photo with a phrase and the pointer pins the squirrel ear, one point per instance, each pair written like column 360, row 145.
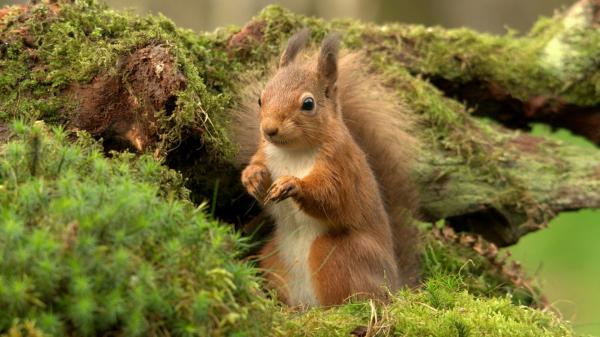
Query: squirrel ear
column 295, row 44
column 328, row 59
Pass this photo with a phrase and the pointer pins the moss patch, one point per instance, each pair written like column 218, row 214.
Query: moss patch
column 442, row 308
column 49, row 48
column 91, row 246
column 119, row 246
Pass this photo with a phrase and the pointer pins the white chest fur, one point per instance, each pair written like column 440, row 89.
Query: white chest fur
column 295, row 231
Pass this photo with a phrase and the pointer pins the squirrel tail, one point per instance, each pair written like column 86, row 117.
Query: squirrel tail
column 383, row 129
column 244, row 130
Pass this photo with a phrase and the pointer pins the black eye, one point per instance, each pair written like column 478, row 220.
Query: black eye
column 259, row 102
column 308, row 104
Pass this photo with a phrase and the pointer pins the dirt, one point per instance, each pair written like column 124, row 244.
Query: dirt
column 121, row 108
column 527, row 143
column 403, row 50
column 584, row 121
column 6, row 10
column 24, row 12
column 360, row 331
column 4, row 132
column 594, row 8
column 246, row 39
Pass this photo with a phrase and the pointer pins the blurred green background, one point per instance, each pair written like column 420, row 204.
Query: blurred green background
column 565, row 258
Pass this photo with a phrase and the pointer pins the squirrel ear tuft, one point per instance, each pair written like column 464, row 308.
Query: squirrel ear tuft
column 328, row 59
column 295, row 44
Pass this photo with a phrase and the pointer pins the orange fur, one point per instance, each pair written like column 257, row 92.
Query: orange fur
column 385, row 131
column 323, row 194
column 353, row 263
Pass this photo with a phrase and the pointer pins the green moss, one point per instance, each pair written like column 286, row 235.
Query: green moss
column 442, row 308
column 75, row 43
column 145, row 260
column 87, row 39
column 91, row 245
column 464, row 55
column 520, row 65
column 97, row 37
column 119, row 249
column 477, row 275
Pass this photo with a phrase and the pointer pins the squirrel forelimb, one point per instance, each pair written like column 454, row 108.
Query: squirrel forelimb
column 256, row 179
column 283, row 188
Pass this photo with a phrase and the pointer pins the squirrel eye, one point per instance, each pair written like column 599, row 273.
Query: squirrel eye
column 259, row 102
column 308, row 104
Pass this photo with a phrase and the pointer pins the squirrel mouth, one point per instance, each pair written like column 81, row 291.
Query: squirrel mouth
column 277, row 141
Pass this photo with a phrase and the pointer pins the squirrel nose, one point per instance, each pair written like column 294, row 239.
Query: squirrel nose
column 271, row 131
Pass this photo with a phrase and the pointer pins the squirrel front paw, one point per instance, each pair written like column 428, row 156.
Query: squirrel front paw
column 255, row 179
column 283, row 188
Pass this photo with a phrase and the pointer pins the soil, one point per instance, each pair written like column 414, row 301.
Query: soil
column 527, row 143
column 4, row 132
column 121, row 108
column 246, row 39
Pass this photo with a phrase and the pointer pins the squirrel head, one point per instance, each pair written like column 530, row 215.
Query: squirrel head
column 300, row 102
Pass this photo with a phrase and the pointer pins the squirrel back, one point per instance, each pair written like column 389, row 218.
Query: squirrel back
column 380, row 125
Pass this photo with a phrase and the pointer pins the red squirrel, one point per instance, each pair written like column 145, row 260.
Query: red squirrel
column 337, row 233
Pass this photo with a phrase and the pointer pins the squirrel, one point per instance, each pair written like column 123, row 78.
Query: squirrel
column 331, row 162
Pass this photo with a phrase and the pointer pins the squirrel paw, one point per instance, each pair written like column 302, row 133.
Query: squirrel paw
column 254, row 178
column 283, row 188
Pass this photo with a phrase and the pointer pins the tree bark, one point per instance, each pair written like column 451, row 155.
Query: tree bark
column 144, row 85
column 550, row 76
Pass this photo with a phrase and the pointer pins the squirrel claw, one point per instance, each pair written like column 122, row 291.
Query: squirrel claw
column 254, row 178
column 282, row 189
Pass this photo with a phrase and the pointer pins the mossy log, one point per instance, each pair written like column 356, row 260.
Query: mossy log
column 549, row 75
column 97, row 246
column 142, row 84
column 136, row 263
